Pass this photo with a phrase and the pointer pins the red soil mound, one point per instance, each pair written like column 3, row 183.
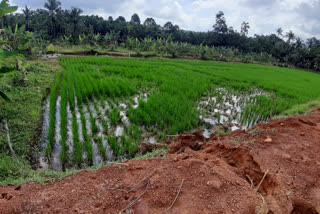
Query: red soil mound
column 239, row 173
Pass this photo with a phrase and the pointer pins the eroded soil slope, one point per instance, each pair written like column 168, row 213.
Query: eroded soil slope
column 218, row 176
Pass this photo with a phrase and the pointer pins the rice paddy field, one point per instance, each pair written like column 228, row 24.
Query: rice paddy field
column 100, row 108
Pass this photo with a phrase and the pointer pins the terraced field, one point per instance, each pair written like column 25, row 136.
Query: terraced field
column 100, row 108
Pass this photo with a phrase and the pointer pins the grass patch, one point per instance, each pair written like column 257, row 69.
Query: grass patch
column 299, row 109
column 24, row 112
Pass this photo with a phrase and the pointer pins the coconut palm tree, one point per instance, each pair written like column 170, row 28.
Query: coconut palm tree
column 53, row 7
column 279, row 32
column 291, row 37
column 27, row 12
column 74, row 16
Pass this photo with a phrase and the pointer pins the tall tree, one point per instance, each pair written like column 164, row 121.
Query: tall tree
column 299, row 43
column 53, row 6
column 168, row 26
column 279, row 32
column 290, row 36
column 120, row 19
column 220, row 26
column 149, row 22
column 245, row 28
column 27, row 12
column 135, row 19
column 75, row 19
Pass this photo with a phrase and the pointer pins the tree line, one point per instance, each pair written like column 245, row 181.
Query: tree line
column 53, row 23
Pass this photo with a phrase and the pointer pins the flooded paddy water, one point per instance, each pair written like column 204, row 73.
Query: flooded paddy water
column 224, row 108
column 220, row 109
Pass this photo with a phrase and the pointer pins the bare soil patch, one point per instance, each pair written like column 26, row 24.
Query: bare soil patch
column 239, row 173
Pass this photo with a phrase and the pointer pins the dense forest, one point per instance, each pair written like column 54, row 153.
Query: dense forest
column 57, row 25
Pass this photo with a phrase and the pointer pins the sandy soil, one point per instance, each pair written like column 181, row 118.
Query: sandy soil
column 272, row 168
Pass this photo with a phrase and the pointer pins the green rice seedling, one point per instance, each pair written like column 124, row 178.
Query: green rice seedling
column 114, row 144
column 96, row 107
column 105, row 126
column 128, row 146
column 94, row 127
column 89, row 150
column 111, row 104
column 52, row 114
column 70, row 86
column 83, row 124
column 102, row 148
column 163, row 136
column 78, row 90
column 114, row 116
column 63, row 125
column 177, row 85
column 134, row 132
column 77, row 151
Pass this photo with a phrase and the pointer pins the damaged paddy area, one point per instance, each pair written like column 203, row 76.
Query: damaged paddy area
column 100, row 108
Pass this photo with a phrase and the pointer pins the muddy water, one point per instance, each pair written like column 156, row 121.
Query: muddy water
column 69, row 128
column 100, row 118
column 97, row 159
column 55, row 159
column 45, row 130
column 225, row 109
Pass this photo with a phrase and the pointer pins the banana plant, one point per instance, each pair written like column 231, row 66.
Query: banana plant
column 130, row 44
column 6, row 69
column 96, row 38
column 15, row 37
column 203, row 50
column 138, row 46
column 147, row 43
column 5, row 8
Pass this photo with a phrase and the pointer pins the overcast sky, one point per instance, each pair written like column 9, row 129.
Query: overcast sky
column 264, row 16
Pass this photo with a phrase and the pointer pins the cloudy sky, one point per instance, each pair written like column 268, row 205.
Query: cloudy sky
column 264, row 16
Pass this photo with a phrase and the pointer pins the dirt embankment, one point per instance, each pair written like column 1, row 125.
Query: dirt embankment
column 273, row 168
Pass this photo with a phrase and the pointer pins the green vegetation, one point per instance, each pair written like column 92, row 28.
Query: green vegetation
column 70, row 32
column 114, row 116
column 301, row 108
column 102, row 148
column 53, row 100
column 175, row 87
column 24, row 113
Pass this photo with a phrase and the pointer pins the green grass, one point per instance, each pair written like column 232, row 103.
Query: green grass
column 24, row 115
column 301, row 108
column 24, row 111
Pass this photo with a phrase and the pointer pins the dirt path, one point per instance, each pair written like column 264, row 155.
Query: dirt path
column 219, row 176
